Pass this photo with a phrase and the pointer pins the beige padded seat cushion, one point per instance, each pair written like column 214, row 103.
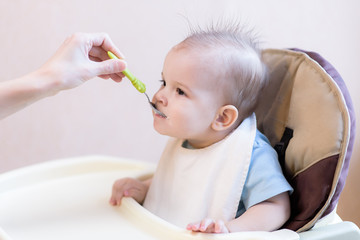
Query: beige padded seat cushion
column 303, row 97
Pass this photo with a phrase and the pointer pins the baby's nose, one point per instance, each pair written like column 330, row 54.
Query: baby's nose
column 160, row 98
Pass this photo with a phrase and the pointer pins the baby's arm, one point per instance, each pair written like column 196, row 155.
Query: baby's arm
column 129, row 187
column 268, row 215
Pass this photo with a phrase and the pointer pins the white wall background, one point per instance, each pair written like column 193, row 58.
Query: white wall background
column 102, row 117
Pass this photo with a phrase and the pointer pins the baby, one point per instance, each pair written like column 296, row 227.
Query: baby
column 218, row 173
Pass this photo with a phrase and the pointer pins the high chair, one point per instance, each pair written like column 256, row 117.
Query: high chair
column 306, row 113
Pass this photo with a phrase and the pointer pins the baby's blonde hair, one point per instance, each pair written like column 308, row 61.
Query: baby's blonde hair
column 240, row 61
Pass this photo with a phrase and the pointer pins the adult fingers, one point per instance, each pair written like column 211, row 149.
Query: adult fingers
column 117, row 77
column 110, row 66
column 104, row 41
column 98, row 53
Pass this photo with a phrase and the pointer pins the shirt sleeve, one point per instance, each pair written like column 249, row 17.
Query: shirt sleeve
column 265, row 178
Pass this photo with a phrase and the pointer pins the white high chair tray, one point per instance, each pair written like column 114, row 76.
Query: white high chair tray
column 68, row 199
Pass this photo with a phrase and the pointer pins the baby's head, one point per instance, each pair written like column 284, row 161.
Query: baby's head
column 212, row 82
column 236, row 57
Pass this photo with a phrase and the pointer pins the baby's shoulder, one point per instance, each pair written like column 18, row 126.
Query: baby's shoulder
column 262, row 145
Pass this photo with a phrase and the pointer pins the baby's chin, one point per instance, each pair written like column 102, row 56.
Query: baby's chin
column 159, row 130
column 163, row 131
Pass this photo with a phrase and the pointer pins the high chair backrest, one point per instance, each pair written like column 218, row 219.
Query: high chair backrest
column 307, row 114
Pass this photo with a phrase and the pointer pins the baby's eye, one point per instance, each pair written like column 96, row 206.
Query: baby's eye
column 180, row 92
column 163, row 82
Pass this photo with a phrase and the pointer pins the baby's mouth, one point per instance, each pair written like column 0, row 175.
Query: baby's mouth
column 157, row 111
column 154, row 108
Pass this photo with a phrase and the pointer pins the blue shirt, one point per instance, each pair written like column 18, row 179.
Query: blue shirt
column 265, row 178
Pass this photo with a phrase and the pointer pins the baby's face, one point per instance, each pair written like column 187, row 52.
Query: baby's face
column 189, row 96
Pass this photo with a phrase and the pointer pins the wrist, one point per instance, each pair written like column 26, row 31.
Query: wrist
column 21, row 92
column 44, row 83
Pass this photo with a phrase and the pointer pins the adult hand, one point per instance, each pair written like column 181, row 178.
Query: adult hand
column 81, row 57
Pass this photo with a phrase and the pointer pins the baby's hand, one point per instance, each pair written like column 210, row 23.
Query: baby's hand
column 208, row 226
column 128, row 187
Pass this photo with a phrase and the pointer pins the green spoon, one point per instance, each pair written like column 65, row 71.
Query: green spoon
column 140, row 86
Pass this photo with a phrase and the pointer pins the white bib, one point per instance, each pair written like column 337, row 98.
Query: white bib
column 192, row 184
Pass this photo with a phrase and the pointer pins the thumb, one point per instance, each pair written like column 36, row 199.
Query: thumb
column 109, row 66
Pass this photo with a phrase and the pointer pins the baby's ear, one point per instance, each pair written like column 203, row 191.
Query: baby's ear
column 225, row 118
